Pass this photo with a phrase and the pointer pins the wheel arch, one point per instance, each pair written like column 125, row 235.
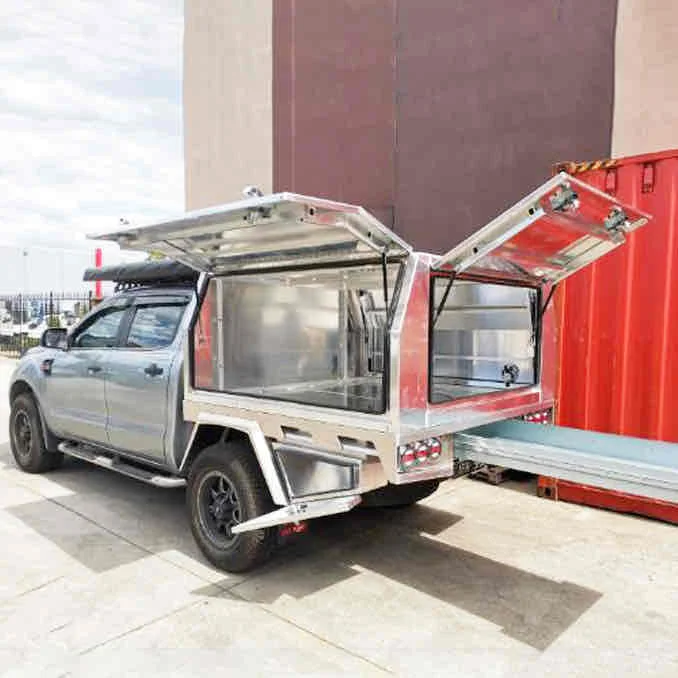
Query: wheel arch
column 20, row 387
column 211, row 429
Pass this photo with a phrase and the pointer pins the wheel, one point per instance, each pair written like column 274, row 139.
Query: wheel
column 226, row 487
column 26, row 439
column 399, row 495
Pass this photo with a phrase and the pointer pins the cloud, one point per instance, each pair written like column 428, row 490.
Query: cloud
column 90, row 115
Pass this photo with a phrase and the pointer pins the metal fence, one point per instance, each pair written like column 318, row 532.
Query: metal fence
column 24, row 317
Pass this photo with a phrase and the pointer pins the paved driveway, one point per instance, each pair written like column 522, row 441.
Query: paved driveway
column 99, row 576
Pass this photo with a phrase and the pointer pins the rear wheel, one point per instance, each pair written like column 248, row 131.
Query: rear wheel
column 26, row 437
column 225, row 488
column 399, row 495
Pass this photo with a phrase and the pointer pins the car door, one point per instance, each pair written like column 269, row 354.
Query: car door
column 137, row 379
column 74, row 389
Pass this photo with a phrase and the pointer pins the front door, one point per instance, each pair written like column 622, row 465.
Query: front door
column 137, row 380
column 75, row 387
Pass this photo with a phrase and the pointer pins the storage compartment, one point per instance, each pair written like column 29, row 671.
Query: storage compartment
column 314, row 336
column 483, row 338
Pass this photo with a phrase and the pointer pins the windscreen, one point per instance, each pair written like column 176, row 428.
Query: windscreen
column 314, row 336
column 483, row 338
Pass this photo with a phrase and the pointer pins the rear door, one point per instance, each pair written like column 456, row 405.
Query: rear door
column 561, row 227
column 137, row 385
column 74, row 389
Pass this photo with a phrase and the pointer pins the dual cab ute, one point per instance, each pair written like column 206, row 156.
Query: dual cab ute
column 292, row 357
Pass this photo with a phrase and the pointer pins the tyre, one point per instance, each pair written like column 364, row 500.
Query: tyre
column 26, row 437
column 399, row 495
column 226, row 487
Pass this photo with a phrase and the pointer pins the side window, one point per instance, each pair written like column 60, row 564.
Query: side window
column 154, row 326
column 101, row 331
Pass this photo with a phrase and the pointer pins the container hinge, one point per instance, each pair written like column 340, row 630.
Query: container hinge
column 648, row 177
column 611, row 181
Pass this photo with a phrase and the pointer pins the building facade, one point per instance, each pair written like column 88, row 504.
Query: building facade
column 433, row 115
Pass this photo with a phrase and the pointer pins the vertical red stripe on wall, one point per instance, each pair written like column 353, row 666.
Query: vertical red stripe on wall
column 619, row 333
column 98, row 262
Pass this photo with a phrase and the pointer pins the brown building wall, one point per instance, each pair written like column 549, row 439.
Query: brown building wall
column 434, row 115
column 333, row 89
column 437, row 115
column 489, row 96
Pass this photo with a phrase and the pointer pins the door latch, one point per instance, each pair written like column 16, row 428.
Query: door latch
column 510, row 373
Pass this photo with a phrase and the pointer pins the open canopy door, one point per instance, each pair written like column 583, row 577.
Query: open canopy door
column 556, row 230
column 278, row 230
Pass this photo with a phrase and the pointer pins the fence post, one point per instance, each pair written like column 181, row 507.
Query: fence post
column 21, row 323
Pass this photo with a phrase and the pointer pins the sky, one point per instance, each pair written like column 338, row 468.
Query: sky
column 90, row 116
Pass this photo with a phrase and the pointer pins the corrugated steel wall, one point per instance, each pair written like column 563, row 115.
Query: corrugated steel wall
column 619, row 317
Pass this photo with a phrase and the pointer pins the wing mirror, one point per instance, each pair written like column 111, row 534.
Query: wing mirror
column 54, row 337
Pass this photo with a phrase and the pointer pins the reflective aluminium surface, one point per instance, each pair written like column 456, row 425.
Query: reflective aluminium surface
column 483, row 338
column 314, row 337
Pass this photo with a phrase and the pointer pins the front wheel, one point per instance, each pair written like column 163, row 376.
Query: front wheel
column 226, row 487
column 26, row 439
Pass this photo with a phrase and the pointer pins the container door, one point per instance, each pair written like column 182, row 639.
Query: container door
column 561, row 227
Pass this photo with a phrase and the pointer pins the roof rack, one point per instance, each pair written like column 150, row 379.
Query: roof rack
column 126, row 276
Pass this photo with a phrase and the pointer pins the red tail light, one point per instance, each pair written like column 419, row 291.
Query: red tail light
column 435, row 448
column 421, row 452
column 543, row 417
column 408, row 457
column 418, row 454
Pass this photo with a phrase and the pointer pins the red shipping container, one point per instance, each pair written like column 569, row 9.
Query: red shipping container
column 619, row 317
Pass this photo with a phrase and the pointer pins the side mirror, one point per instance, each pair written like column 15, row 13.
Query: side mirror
column 54, row 337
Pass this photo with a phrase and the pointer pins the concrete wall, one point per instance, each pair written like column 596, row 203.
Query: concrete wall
column 228, row 122
column 646, row 96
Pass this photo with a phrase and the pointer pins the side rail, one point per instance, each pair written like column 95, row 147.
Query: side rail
column 644, row 467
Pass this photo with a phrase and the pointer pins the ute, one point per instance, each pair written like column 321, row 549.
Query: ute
column 293, row 358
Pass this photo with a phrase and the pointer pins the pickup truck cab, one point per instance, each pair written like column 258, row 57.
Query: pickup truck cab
column 293, row 357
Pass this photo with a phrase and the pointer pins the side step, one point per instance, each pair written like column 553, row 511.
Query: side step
column 647, row 468
column 94, row 456
column 297, row 512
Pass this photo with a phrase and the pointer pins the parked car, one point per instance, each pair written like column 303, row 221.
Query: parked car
column 316, row 362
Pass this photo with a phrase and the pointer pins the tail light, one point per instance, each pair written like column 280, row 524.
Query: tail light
column 415, row 455
column 543, row 417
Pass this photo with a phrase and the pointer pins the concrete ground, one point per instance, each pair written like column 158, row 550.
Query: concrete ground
column 99, row 576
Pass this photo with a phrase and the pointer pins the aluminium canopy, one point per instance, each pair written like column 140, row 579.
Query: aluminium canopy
column 557, row 229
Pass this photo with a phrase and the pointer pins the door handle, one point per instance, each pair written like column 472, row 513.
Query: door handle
column 153, row 370
column 93, row 369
